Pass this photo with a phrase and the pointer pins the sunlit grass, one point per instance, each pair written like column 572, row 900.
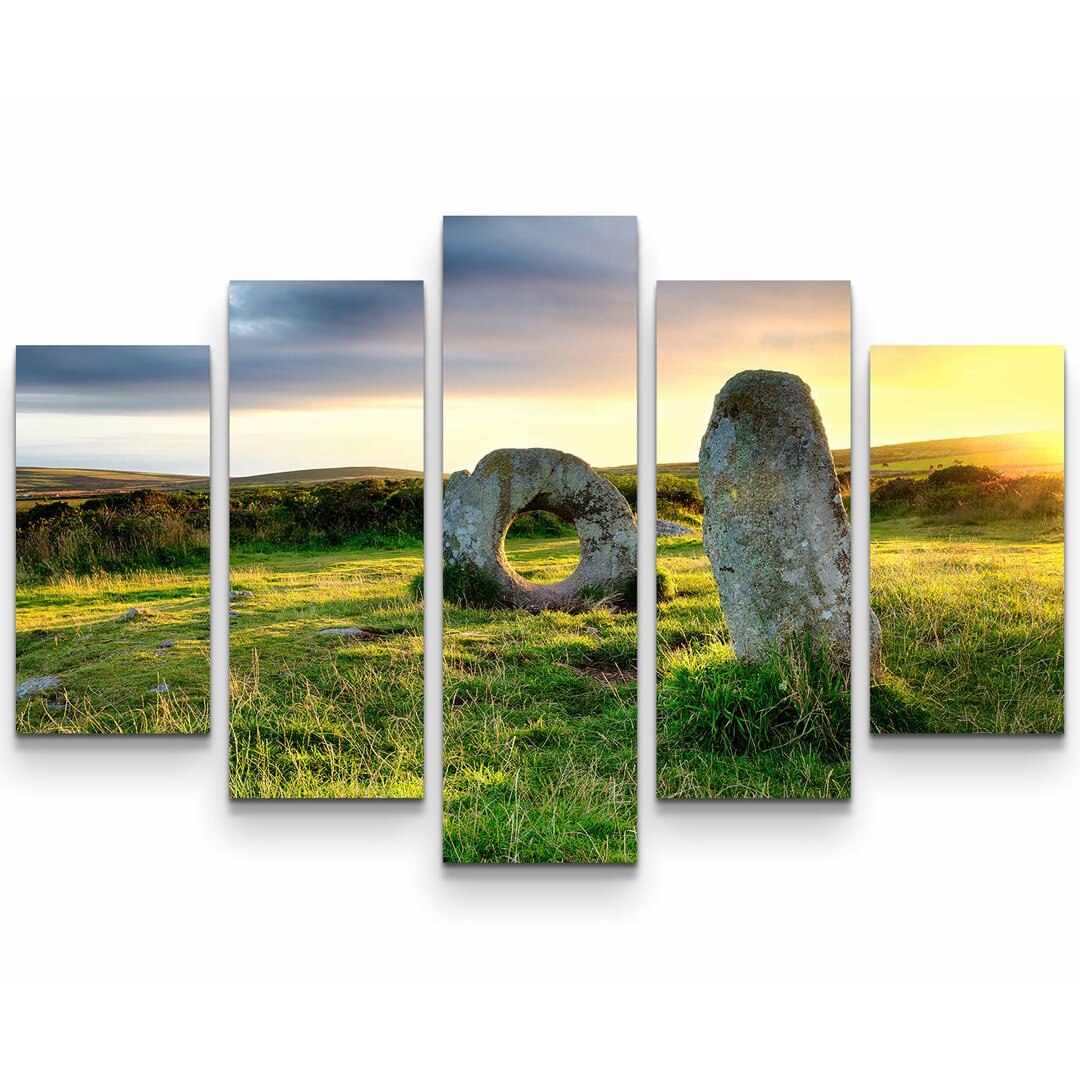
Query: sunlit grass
column 108, row 666
column 972, row 622
column 319, row 716
column 539, row 728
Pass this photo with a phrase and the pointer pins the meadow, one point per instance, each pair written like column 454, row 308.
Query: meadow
column 315, row 715
column 539, row 726
column 112, row 613
column 110, row 668
column 967, row 579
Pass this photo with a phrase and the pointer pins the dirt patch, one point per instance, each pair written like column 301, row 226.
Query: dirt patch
column 607, row 674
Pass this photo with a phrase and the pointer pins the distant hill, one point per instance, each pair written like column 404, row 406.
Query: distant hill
column 322, row 476
column 32, row 482
column 1014, row 454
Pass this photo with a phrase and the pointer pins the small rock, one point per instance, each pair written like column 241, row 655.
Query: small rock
column 672, row 528
column 166, row 644
column 58, row 706
column 135, row 613
column 342, row 631
column 161, row 688
column 241, row 594
column 36, row 686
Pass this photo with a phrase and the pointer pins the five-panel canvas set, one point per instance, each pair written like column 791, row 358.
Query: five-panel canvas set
column 753, row 587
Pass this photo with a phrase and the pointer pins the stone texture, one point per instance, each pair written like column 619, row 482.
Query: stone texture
column 479, row 507
column 36, row 686
column 672, row 528
column 775, row 528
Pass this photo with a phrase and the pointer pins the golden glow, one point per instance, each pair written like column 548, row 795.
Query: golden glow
column 601, row 429
column 280, row 440
column 708, row 331
column 922, row 392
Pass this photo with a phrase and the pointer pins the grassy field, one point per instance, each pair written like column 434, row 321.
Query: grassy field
column 539, row 727
column 692, row 650
column 73, row 629
column 325, row 716
column 972, row 626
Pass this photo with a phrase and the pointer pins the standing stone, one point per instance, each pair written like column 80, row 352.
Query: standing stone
column 479, row 507
column 774, row 528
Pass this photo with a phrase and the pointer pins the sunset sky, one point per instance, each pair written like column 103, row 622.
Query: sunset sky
column 144, row 408
column 707, row 331
column 922, row 392
column 540, row 337
column 325, row 374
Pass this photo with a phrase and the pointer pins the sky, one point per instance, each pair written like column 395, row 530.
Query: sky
column 540, row 337
column 708, row 331
column 325, row 374
column 920, row 392
column 144, row 408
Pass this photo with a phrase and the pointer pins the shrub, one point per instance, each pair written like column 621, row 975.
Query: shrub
column 469, row 587
column 970, row 495
column 132, row 530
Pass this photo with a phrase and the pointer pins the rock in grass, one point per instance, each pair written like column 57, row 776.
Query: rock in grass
column 775, row 528
column 135, row 613
column 479, row 507
column 342, row 631
column 167, row 645
column 241, row 594
column 161, row 688
column 36, row 686
column 672, row 528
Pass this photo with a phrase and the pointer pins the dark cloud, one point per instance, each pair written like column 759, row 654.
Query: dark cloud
column 311, row 344
column 112, row 379
column 534, row 304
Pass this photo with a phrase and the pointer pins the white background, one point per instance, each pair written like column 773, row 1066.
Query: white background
column 926, row 151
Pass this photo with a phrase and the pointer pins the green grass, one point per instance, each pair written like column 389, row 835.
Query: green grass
column 972, row 627
column 703, row 750
column 320, row 716
column 539, row 727
column 71, row 628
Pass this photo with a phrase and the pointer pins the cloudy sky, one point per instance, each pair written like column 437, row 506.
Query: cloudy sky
column 922, row 392
column 707, row 331
column 325, row 374
column 540, row 337
column 139, row 407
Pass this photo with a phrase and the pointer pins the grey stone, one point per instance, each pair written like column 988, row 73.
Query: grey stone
column 479, row 507
column 161, row 688
column 342, row 631
column 775, row 528
column 672, row 528
column 241, row 594
column 36, row 686
column 167, row 645
column 135, row 613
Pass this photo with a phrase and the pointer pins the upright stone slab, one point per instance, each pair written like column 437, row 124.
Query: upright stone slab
column 479, row 507
column 775, row 529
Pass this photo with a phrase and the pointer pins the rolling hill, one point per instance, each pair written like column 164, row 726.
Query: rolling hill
column 32, row 482
column 323, row 476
